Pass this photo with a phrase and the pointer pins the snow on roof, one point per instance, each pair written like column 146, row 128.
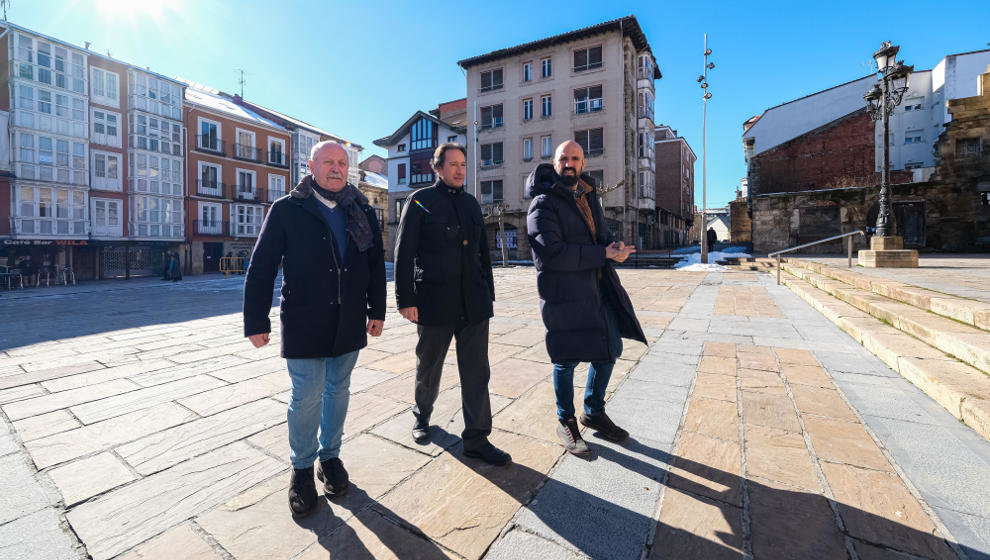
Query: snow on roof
column 375, row 180
column 210, row 98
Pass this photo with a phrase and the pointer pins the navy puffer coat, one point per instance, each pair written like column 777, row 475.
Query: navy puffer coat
column 568, row 260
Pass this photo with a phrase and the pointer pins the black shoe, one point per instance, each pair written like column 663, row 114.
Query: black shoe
column 570, row 436
column 421, row 432
column 302, row 492
column 602, row 424
column 333, row 476
column 489, row 454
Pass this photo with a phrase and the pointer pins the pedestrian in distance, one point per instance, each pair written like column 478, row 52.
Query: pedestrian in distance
column 325, row 237
column 585, row 309
column 444, row 284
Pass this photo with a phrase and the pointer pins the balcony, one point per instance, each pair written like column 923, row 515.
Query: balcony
column 278, row 159
column 212, row 227
column 212, row 189
column 247, row 152
column 249, row 193
column 275, row 194
column 211, row 144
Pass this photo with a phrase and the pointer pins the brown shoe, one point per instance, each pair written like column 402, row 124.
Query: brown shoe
column 570, row 436
column 602, row 424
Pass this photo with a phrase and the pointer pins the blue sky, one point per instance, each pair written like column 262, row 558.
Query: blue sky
column 360, row 69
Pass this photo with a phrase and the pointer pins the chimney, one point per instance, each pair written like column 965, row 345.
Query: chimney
column 87, row 45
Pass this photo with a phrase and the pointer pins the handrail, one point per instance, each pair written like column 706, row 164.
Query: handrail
column 849, row 248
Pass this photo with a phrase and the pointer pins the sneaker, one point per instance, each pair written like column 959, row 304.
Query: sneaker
column 333, row 476
column 570, row 436
column 302, row 492
column 421, row 432
column 489, row 454
column 602, row 424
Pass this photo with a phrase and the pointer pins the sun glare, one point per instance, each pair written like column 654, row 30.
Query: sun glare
column 134, row 10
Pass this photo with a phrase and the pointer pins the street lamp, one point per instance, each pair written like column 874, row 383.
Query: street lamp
column 703, row 80
column 881, row 101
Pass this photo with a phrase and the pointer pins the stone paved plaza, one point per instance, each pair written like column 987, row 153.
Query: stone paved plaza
column 138, row 423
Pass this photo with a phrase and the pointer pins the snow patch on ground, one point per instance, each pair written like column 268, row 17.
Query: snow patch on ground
column 692, row 262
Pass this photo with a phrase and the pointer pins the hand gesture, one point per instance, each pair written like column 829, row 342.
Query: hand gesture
column 619, row 251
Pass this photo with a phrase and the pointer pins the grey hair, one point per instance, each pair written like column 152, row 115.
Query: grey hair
column 320, row 145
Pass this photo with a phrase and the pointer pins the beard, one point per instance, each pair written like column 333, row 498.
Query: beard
column 569, row 180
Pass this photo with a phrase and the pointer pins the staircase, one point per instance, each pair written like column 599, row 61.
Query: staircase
column 939, row 342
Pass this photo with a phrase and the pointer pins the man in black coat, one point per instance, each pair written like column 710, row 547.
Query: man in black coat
column 444, row 284
column 585, row 309
column 327, row 240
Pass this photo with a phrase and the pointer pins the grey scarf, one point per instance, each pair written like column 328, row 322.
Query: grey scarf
column 351, row 200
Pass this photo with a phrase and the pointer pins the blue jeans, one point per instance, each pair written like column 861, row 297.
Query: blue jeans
column 598, row 375
column 320, row 393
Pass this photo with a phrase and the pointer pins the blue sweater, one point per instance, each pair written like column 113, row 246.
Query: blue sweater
column 337, row 219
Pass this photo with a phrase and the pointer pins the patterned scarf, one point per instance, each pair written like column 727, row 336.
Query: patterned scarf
column 351, row 200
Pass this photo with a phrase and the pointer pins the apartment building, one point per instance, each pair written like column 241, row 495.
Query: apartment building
column 594, row 85
column 237, row 166
column 675, row 187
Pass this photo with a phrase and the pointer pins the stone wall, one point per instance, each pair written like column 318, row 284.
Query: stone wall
column 741, row 224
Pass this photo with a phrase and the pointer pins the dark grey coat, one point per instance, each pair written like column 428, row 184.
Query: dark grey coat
column 568, row 260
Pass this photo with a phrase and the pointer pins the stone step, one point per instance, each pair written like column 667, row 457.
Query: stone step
column 960, row 388
column 971, row 312
column 964, row 342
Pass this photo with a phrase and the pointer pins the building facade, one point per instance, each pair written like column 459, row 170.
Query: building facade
column 674, row 187
column 594, row 85
column 237, row 166
column 410, row 149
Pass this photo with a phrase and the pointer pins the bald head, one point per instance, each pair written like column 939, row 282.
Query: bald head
column 568, row 162
column 328, row 164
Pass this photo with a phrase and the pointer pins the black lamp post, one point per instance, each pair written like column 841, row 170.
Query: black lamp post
column 881, row 101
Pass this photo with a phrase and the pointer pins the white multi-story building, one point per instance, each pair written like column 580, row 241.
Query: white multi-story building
column 410, row 149
column 594, row 85
column 49, row 132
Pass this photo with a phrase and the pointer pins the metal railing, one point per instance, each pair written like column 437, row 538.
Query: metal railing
column 247, row 152
column 213, row 189
column 209, row 143
column 849, row 248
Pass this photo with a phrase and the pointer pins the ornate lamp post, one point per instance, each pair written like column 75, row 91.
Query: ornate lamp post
column 885, row 248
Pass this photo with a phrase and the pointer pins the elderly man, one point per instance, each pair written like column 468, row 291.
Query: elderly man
column 444, row 284
column 585, row 309
column 326, row 238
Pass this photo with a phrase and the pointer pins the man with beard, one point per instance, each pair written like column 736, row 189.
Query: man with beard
column 326, row 238
column 585, row 309
column 444, row 284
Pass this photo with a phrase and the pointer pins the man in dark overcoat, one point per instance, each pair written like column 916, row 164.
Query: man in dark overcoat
column 326, row 238
column 444, row 284
column 585, row 309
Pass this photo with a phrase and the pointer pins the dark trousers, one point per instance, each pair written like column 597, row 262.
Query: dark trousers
column 472, row 366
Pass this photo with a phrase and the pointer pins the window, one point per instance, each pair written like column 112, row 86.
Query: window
column 402, row 147
column 913, row 137
column 398, row 208
column 528, row 108
column 546, row 69
column 546, row 108
column 588, row 99
column 209, row 134
column 209, row 180
column 106, row 216
column 402, row 174
column 106, row 171
column 422, row 135
column 528, row 72
column 646, row 145
column 105, row 128
column 645, row 67
column 491, row 191
column 598, row 175
column 276, row 151
column 245, row 185
column 913, row 165
column 491, row 80
column 546, row 146
column 527, row 149
column 276, row 187
column 646, row 105
column 588, row 59
column 153, row 216
column 968, row 148
column 209, row 219
column 912, row 105
column 103, row 85
column 247, row 220
column 50, row 211
column 491, row 117
column 44, row 101
column 491, row 154
column 592, row 141
column 452, row 138
column 245, row 146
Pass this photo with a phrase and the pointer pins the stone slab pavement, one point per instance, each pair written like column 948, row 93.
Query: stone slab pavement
column 136, row 422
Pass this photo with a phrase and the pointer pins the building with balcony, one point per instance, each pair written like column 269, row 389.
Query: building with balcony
column 410, row 149
column 46, row 177
column 594, row 85
column 236, row 167
column 675, row 187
